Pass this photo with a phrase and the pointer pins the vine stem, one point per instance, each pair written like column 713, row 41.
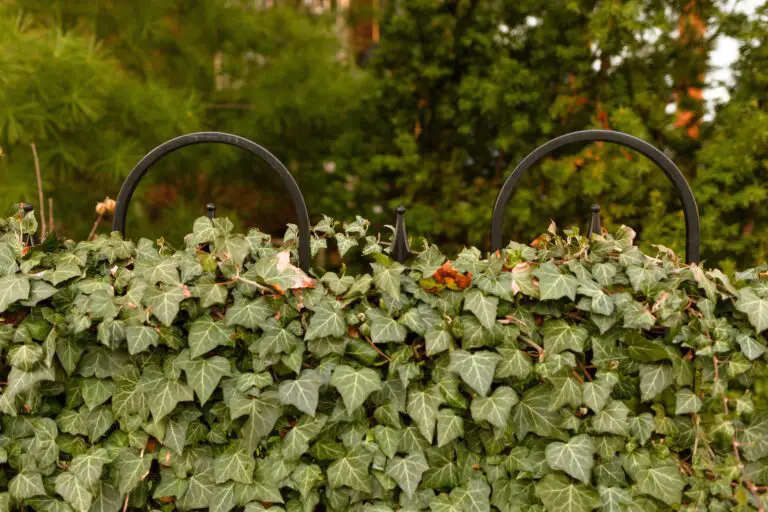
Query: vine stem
column 534, row 345
column 736, row 444
column 95, row 226
column 377, row 349
column 40, row 195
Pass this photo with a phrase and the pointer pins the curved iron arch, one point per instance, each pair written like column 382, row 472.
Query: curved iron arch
column 133, row 179
column 662, row 161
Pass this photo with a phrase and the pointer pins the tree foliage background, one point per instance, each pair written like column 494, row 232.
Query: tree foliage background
column 454, row 94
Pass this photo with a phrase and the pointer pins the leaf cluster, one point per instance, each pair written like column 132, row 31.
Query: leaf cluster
column 570, row 375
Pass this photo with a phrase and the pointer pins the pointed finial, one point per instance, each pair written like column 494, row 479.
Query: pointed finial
column 26, row 208
column 594, row 223
column 211, row 210
column 400, row 249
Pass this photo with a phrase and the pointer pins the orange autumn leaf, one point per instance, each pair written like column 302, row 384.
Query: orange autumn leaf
column 452, row 278
column 684, row 118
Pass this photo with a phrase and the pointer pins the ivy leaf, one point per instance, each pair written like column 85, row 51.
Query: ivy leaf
column 237, row 466
column 560, row 335
column 612, row 419
column 559, row 495
column 533, row 414
column 205, row 335
column 210, row 292
column 386, row 330
column 203, row 375
column 662, row 481
column 482, row 306
column 248, row 313
column 387, row 278
column 554, row 284
column 88, row 467
column 654, row 378
column 328, row 320
column 306, row 476
column 596, row 394
column 132, row 469
column 576, row 457
column 422, row 407
column 474, row 497
column 74, row 491
column 748, row 302
column 164, row 303
column 450, row 426
column 355, row 385
column 496, row 408
column 476, row 369
column 407, row 471
column 303, row 393
column 26, row 484
column 351, row 471
column 615, row 499
column 13, row 288
column 686, row 402
column 140, row 338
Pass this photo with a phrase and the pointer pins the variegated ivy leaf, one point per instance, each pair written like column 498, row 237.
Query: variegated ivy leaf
column 355, row 386
column 328, row 320
column 654, row 378
column 755, row 307
column 26, row 484
column 482, row 306
column 351, row 471
column 407, row 471
column 303, row 393
column 13, row 288
column 422, row 407
column 387, row 278
column 203, row 375
column 662, row 481
column 560, row 335
column 140, row 338
column 237, row 466
column 205, row 334
column 576, row 457
column 74, row 491
column 560, row 495
column 686, row 402
column 164, row 303
column 495, row 409
column 554, row 284
column 476, row 369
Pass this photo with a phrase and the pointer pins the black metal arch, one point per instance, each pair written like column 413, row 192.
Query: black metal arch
column 133, row 179
column 692, row 229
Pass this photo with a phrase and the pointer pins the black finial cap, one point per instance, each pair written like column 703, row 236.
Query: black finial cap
column 27, row 207
column 400, row 249
column 210, row 210
column 594, row 223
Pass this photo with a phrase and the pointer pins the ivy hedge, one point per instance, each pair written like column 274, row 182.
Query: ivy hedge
column 569, row 375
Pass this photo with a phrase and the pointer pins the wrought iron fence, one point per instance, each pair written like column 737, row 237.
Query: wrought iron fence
column 400, row 249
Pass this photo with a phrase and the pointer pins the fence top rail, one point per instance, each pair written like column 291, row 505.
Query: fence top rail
column 662, row 161
column 138, row 172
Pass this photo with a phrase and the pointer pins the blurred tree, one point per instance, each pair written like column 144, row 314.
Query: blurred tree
column 162, row 68
column 465, row 89
column 446, row 98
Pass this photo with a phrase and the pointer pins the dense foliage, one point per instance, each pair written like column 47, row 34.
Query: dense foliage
column 454, row 95
column 569, row 375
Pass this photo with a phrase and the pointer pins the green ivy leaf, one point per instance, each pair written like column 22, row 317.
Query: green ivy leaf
column 748, row 302
column 559, row 495
column 560, row 335
column 351, row 471
column 407, row 471
column 476, row 369
column 237, row 466
column 328, row 320
column 164, row 303
column 554, row 284
column 205, row 335
column 13, row 288
column 654, row 378
column 686, row 402
column 355, row 386
column 74, row 491
column 303, row 393
column 26, row 484
column 576, row 457
column 662, row 481
column 496, row 408
column 482, row 306
column 204, row 375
